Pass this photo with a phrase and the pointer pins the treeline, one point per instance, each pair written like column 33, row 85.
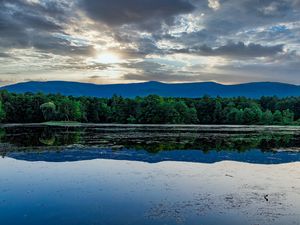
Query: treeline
column 153, row 109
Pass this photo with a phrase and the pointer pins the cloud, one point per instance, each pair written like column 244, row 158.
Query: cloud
column 4, row 55
column 241, row 50
column 61, row 46
column 269, row 8
column 25, row 24
column 168, row 40
column 147, row 14
column 188, row 77
column 214, row 4
column 282, row 68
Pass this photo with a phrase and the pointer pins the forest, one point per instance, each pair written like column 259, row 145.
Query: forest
column 152, row 109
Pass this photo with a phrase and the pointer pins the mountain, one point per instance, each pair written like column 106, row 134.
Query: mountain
column 252, row 90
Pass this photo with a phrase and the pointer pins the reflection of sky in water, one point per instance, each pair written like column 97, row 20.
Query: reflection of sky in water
column 136, row 175
column 127, row 192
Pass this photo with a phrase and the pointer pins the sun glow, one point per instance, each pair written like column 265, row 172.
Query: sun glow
column 108, row 58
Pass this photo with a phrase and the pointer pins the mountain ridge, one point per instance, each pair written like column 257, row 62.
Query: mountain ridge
column 191, row 90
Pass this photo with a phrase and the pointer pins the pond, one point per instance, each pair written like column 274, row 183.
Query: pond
column 149, row 174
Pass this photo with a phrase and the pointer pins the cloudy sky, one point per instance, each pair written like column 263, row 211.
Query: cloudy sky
column 121, row 41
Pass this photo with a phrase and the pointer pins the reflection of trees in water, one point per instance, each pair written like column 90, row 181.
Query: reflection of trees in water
column 47, row 137
column 2, row 133
column 68, row 136
column 40, row 136
column 236, row 142
column 30, row 137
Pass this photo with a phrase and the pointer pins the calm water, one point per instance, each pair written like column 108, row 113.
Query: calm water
column 149, row 175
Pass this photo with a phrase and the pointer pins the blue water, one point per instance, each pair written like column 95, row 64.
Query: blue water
column 67, row 176
column 112, row 192
column 251, row 156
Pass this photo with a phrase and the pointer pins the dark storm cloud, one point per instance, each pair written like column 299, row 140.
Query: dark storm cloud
column 235, row 50
column 144, row 13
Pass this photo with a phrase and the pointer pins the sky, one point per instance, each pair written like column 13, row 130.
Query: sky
column 123, row 41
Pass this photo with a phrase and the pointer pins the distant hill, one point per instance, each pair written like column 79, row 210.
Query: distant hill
column 192, row 90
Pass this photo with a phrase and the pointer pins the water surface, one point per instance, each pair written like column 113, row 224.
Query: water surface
column 103, row 174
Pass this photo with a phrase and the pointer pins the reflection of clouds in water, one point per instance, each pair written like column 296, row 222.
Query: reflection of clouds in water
column 205, row 204
column 240, row 199
column 200, row 205
column 146, row 193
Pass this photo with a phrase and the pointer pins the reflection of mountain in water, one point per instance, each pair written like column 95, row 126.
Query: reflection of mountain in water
column 252, row 156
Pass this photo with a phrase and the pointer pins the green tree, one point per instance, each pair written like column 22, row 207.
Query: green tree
column 252, row 115
column 239, row 117
column 131, row 119
column 70, row 110
column 151, row 110
column 231, row 116
column 192, row 116
column 277, row 117
column 267, row 118
column 103, row 112
column 169, row 114
column 205, row 109
column 186, row 115
column 287, row 117
column 49, row 111
column 2, row 112
column 29, row 107
column 218, row 112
